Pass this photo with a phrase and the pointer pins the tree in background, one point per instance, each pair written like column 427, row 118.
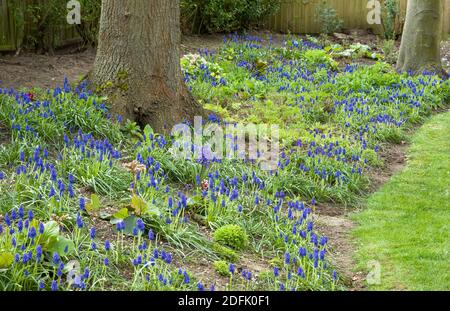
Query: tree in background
column 138, row 62
column 421, row 41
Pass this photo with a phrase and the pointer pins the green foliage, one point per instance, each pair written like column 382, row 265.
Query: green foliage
column 90, row 20
column 38, row 23
column 309, row 89
column 224, row 15
column 225, row 253
column 390, row 52
column 327, row 17
column 265, row 276
column 316, row 57
column 75, row 166
column 371, row 157
column 41, row 23
column 233, row 236
column 391, row 16
column 221, row 268
column 6, row 259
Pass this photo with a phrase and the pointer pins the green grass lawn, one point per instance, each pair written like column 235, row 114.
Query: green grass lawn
column 406, row 226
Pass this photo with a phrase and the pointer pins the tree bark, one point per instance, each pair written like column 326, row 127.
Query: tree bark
column 138, row 62
column 420, row 47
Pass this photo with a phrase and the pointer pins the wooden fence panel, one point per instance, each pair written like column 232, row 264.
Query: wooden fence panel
column 11, row 33
column 298, row 16
column 7, row 29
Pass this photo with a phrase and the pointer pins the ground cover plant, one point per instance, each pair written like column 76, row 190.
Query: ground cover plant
column 89, row 201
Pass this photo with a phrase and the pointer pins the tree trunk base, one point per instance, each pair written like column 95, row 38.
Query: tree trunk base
column 138, row 63
column 420, row 47
column 147, row 106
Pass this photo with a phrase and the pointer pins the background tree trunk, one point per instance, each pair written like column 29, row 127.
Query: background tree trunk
column 421, row 41
column 138, row 62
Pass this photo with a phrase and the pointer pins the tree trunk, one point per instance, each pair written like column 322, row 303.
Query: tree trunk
column 138, row 63
column 420, row 47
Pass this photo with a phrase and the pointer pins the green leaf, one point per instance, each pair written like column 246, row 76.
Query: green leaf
column 374, row 56
column 153, row 210
column 6, row 259
column 194, row 201
column 51, row 231
column 148, row 131
column 53, row 202
column 59, row 245
column 139, row 205
column 130, row 223
column 73, row 265
column 119, row 216
column 104, row 215
column 94, row 205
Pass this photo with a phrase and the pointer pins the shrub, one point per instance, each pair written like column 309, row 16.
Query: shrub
column 390, row 52
column 371, row 157
column 40, row 25
column 391, row 15
column 328, row 18
column 231, row 235
column 221, row 268
column 224, row 15
column 225, row 253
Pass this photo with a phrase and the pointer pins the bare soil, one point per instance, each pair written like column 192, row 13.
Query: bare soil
column 394, row 159
column 46, row 71
column 334, row 221
column 4, row 135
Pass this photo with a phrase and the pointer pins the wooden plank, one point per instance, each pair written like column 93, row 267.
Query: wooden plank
column 353, row 12
column 7, row 42
column 297, row 16
column 4, row 40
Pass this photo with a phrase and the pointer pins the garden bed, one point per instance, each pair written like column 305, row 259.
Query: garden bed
column 47, row 71
column 90, row 201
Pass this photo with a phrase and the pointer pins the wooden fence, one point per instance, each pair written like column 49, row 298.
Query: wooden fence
column 12, row 31
column 7, row 28
column 298, row 16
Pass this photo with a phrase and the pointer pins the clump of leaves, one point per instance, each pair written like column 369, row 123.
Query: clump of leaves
column 327, row 16
column 390, row 52
column 225, row 252
column 233, row 236
column 276, row 262
column 371, row 157
column 221, row 267
column 391, row 17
